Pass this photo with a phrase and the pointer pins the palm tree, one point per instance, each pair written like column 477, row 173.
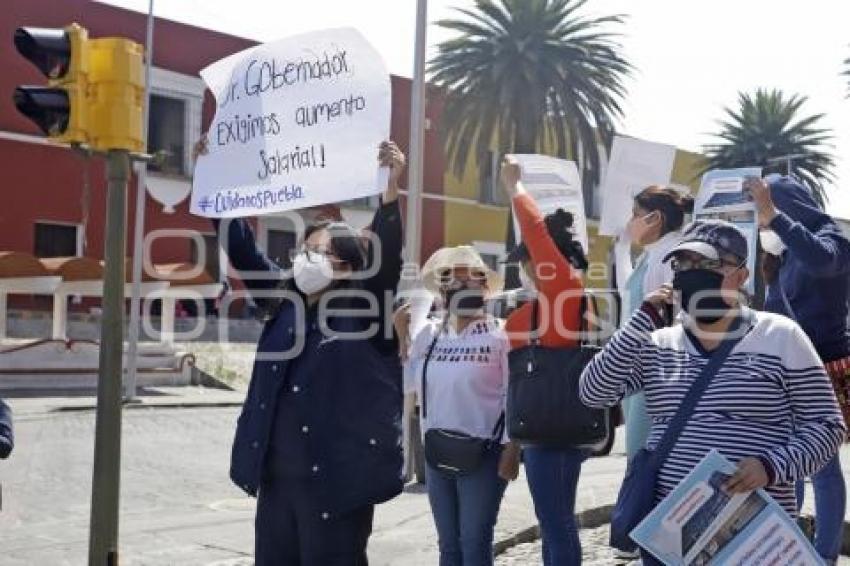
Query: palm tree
column 528, row 76
column 766, row 128
column 846, row 73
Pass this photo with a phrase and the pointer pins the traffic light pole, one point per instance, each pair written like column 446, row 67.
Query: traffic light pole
column 106, row 479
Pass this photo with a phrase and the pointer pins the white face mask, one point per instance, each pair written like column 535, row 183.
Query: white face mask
column 314, row 274
column 771, row 243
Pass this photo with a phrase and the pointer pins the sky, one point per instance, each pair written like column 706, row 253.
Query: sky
column 692, row 58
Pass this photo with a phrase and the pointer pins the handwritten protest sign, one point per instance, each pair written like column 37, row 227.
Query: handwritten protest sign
column 297, row 124
column 634, row 165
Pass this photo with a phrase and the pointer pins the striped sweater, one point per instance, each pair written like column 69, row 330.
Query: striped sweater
column 771, row 398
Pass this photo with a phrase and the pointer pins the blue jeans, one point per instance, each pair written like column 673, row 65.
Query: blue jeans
column 553, row 479
column 637, row 423
column 465, row 509
column 830, row 503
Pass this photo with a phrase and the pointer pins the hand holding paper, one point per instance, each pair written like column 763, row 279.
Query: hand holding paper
column 750, row 475
column 764, row 203
column 511, row 174
column 391, row 157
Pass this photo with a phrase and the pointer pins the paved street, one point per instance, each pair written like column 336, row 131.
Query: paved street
column 178, row 506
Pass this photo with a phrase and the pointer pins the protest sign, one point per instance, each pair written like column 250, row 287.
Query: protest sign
column 722, row 196
column 554, row 183
column 699, row 523
column 634, row 164
column 297, row 124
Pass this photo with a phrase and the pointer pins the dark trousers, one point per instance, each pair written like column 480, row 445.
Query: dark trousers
column 291, row 531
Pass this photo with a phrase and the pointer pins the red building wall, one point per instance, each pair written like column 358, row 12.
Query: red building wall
column 43, row 182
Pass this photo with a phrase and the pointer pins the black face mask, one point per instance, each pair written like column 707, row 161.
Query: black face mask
column 464, row 301
column 703, row 282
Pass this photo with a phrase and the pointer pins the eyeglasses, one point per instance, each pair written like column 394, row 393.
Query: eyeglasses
column 314, row 255
column 446, row 278
column 687, row 264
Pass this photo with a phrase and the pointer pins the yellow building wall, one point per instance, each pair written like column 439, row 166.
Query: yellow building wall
column 686, row 169
column 466, row 222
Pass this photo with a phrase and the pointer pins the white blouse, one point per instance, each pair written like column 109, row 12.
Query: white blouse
column 467, row 376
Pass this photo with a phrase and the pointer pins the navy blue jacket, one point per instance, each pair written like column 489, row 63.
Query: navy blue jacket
column 815, row 269
column 7, row 436
column 352, row 400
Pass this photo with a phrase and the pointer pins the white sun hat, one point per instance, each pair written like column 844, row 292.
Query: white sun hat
column 458, row 256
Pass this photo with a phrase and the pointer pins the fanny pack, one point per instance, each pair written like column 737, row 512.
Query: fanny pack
column 452, row 451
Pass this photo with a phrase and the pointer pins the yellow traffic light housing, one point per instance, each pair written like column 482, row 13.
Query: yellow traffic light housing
column 116, row 94
column 95, row 91
column 59, row 109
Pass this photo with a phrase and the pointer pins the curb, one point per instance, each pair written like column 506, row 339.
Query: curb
column 598, row 516
column 587, row 519
column 143, row 405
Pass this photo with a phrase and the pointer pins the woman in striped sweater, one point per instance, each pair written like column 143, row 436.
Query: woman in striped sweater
column 770, row 408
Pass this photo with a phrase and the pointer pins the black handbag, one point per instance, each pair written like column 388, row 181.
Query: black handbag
column 543, row 405
column 452, row 451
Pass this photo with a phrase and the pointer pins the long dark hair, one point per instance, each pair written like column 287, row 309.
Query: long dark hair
column 672, row 205
column 559, row 225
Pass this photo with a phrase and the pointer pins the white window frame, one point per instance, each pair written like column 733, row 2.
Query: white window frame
column 492, row 248
column 76, row 225
column 189, row 90
column 271, row 222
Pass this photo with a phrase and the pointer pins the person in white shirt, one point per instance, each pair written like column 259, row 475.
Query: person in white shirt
column 460, row 367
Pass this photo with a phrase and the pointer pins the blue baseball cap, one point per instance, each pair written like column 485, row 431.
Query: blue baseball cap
column 712, row 239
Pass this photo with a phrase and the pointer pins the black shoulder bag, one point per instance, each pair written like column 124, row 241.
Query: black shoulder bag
column 452, row 451
column 543, row 393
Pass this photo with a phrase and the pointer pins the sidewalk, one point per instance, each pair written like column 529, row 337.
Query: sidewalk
column 207, row 521
column 404, row 530
column 168, row 397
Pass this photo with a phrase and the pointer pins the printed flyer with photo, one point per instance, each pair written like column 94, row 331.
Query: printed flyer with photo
column 722, row 196
column 554, row 183
column 700, row 524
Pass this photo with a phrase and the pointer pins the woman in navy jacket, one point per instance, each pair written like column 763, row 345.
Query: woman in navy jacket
column 812, row 286
column 319, row 437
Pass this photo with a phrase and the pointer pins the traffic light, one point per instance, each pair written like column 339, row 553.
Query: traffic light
column 116, row 94
column 58, row 109
column 95, row 90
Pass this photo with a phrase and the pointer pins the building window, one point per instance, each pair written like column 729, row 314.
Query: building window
column 491, row 260
column 489, row 191
column 167, row 132
column 280, row 243
column 56, row 240
column 493, row 253
column 362, row 202
column 210, row 259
